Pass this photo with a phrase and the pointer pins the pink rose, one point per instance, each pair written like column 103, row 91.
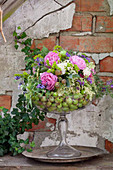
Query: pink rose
column 48, row 80
column 78, row 61
column 52, row 57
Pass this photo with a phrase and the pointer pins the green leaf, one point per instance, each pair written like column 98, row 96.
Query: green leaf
column 29, row 150
column 26, row 141
column 1, row 151
column 76, row 75
column 44, row 51
column 32, row 144
column 23, row 35
column 70, row 76
column 1, row 107
column 47, row 61
column 76, row 68
column 67, row 83
column 14, row 33
column 28, row 41
column 19, row 28
column 5, row 110
column 16, row 46
column 21, row 141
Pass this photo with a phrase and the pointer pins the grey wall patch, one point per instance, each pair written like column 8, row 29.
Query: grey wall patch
column 111, row 6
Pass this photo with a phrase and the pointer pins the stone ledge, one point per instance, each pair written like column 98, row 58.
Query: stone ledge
column 20, row 162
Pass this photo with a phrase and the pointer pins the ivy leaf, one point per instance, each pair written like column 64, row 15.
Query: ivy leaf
column 16, row 46
column 32, row 144
column 19, row 28
column 26, row 141
column 14, row 33
column 23, row 35
column 29, row 150
column 5, row 110
column 1, row 107
column 28, row 41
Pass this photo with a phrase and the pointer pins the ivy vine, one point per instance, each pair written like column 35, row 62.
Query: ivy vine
column 21, row 118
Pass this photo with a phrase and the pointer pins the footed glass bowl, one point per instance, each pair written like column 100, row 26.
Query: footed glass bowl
column 62, row 105
column 58, row 104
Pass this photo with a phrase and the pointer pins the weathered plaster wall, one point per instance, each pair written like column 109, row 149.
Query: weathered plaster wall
column 88, row 33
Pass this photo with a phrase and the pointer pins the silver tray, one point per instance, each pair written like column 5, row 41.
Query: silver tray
column 86, row 153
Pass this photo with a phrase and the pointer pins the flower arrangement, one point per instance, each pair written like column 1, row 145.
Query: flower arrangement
column 59, row 81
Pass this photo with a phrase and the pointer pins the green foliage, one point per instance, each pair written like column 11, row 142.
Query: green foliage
column 25, row 113
column 53, row 67
column 11, row 125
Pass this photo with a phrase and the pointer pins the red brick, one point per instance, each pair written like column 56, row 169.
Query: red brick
column 90, row 5
column 5, row 101
column 49, row 42
column 42, row 125
column 87, row 43
column 33, row 45
column 109, row 146
column 104, row 24
column 106, row 65
column 105, row 78
column 81, row 23
column 52, row 121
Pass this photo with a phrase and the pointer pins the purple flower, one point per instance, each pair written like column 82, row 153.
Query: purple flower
column 103, row 89
column 40, row 86
column 89, row 79
column 67, row 54
column 83, row 56
column 109, row 82
column 39, row 60
column 111, row 85
column 19, row 86
column 17, row 77
column 88, row 59
column 81, row 83
column 24, row 92
column 77, row 88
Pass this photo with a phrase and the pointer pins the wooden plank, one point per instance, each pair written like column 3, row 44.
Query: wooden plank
column 1, row 14
column 10, row 6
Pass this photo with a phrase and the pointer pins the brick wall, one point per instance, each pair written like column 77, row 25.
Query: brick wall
column 92, row 33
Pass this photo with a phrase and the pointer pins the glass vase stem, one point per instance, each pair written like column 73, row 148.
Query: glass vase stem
column 63, row 150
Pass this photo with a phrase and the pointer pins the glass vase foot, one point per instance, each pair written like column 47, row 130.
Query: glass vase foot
column 64, row 151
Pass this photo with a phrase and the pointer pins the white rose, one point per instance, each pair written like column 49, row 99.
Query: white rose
column 63, row 67
column 86, row 71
